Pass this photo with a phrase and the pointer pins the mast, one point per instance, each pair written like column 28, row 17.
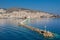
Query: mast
column 45, row 28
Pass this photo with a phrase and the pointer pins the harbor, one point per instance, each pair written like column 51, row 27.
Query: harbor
column 31, row 28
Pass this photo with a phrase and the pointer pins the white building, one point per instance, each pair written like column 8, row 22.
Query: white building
column 2, row 10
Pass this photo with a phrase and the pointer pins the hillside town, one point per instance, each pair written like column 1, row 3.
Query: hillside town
column 24, row 13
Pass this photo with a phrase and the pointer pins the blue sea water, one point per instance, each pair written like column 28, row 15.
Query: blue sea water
column 9, row 29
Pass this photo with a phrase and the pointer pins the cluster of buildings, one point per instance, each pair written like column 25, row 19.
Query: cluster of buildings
column 23, row 13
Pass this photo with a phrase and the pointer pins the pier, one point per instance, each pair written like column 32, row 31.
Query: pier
column 43, row 32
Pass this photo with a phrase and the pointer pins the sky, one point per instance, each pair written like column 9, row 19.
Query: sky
column 51, row 6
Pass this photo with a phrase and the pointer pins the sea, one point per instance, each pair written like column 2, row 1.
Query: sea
column 10, row 29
